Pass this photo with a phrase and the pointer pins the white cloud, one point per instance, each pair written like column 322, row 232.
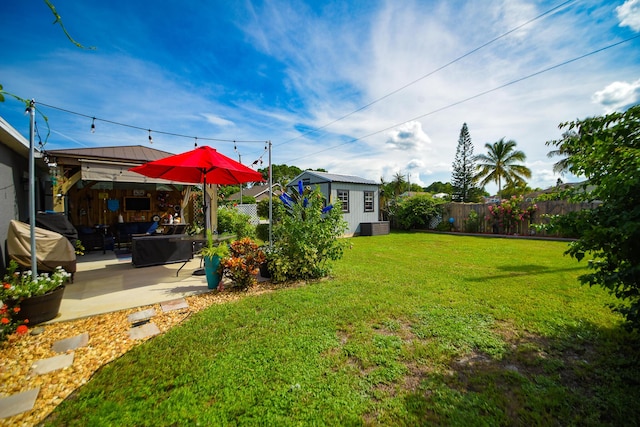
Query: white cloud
column 618, row 96
column 408, row 136
column 629, row 14
column 217, row 120
column 415, row 164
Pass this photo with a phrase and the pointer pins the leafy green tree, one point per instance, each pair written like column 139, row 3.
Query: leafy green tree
column 439, row 187
column 606, row 150
column 224, row 191
column 282, row 174
column 463, row 168
column 502, row 161
column 515, row 189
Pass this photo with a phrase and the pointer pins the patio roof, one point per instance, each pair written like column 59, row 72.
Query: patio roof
column 111, row 164
column 136, row 154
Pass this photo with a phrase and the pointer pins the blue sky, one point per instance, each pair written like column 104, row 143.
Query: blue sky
column 356, row 87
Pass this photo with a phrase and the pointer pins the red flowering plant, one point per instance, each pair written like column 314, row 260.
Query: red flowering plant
column 17, row 286
column 508, row 216
column 242, row 265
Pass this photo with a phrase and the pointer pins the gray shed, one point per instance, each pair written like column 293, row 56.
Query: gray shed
column 359, row 199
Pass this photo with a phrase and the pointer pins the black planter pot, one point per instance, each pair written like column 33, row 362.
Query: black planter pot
column 264, row 270
column 40, row 308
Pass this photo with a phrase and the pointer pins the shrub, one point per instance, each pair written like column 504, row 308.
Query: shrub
column 243, row 262
column 232, row 221
column 306, row 238
column 416, row 212
column 262, row 232
column 472, row 223
column 508, row 216
column 277, row 209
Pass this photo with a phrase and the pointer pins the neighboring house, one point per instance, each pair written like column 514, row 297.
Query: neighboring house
column 14, row 182
column 358, row 197
column 258, row 192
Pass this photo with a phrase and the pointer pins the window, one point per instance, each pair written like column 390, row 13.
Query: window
column 368, row 201
column 343, row 196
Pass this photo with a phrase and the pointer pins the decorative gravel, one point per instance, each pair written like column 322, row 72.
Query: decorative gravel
column 108, row 340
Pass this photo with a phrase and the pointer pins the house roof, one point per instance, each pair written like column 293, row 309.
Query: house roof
column 13, row 139
column 333, row 177
column 255, row 191
column 130, row 153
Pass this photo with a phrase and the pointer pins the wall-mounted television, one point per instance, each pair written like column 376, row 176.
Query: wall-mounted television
column 137, row 204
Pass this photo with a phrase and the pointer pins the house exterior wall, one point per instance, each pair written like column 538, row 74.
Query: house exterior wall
column 13, row 191
column 14, row 183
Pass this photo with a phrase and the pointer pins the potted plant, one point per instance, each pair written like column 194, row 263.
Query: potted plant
column 213, row 254
column 28, row 299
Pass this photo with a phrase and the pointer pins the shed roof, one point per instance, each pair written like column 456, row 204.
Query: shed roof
column 333, row 177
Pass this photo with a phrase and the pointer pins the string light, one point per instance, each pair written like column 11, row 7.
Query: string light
column 93, row 125
column 141, row 128
column 150, row 138
column 195, row 144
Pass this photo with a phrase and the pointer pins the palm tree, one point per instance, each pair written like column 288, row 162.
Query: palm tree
column 501, row 161
column 562, row 165
column 398, row 184
column 383, row 200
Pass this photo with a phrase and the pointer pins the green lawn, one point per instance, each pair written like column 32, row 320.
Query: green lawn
column 413, row 329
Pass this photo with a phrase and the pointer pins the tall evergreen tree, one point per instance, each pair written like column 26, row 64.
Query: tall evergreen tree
column 463, row 168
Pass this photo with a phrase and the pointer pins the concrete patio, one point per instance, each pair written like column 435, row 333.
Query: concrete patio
column 109, row 282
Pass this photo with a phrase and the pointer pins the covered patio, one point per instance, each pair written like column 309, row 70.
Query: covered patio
column 108, row 282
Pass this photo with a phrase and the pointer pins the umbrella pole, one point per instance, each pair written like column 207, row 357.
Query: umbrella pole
column 205, row 211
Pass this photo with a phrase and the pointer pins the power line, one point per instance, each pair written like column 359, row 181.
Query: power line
column 431, row 72
column 94, row 119
column 196, row 138
column 518, row 80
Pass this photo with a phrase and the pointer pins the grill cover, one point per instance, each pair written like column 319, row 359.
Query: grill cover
column 52, row 249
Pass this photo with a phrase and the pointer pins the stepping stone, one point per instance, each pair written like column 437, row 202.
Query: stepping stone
column 141, row 315
column 72, row 343
column 18, row 403
column 176, row 304
column 54, row 363
column 144, row 331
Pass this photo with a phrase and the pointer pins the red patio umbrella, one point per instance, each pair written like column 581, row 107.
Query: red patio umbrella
column 203, row 165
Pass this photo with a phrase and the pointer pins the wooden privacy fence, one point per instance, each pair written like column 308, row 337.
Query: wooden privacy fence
column 478, row 218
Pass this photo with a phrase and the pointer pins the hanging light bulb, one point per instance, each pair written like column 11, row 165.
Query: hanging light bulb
column 196, row 143
column 93, row 125
column 150, row 138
